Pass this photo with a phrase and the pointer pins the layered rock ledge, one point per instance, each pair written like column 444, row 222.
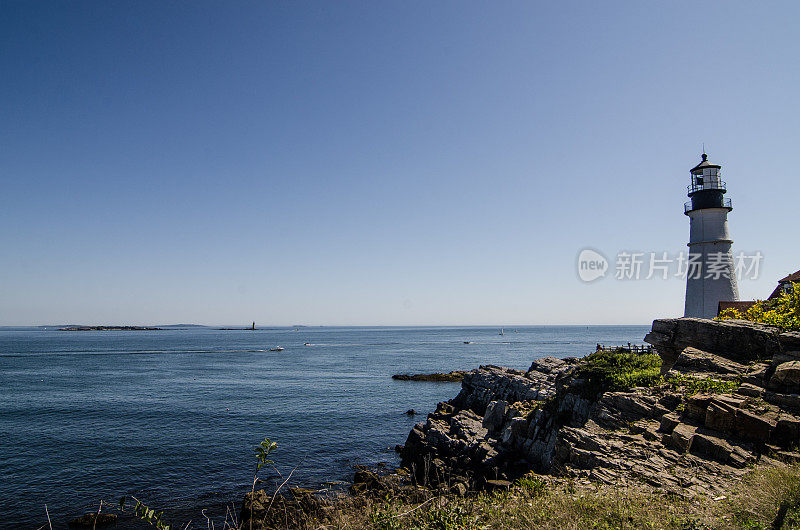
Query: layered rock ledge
column 736, row 340
column 728, row 398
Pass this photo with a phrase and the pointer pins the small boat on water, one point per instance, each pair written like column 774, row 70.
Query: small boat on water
column 501, row 332
column 276, row 348
column 306, row 344
column 467, row 342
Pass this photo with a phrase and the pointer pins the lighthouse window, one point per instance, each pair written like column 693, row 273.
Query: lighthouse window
column 699, row 180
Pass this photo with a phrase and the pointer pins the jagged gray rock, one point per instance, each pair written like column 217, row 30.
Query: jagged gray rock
column 505, row 423
column 736, row 340
column 692, row 360
column 494, row 383
column 786, row 377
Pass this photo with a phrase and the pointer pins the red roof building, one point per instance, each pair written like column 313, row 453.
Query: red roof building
column 741, row 306
column 785, row 285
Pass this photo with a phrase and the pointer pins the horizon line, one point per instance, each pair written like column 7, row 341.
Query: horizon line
column 278, row 326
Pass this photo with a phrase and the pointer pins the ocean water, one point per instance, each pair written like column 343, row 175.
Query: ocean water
column 172, row 416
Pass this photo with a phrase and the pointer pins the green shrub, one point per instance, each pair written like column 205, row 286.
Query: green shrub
column 620, row 369
column 783, row 312
column 689, row 386
column 447, row 518
column 263, row 451
column 532, row 485
column 149, row 515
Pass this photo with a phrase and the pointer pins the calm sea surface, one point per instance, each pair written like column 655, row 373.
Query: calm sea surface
column 172, row 416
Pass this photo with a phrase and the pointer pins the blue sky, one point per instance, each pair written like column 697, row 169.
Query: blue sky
column 381, row 163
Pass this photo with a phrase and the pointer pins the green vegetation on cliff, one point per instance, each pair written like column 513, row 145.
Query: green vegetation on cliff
column 620, row 369
column 783, row 312
column 688, row 385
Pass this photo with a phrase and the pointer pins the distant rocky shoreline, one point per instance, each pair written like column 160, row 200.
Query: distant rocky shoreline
column 109, row 328
column 456, row 376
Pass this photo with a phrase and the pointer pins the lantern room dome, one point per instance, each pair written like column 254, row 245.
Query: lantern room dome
column 704, row 164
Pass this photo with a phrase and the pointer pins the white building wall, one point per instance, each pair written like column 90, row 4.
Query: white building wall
column 710, row 224
column 708, row 235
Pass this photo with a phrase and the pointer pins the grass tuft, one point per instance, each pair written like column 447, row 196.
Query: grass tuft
column 688, row 386
column 766, row 498
column 769, row 498
column 620, row 370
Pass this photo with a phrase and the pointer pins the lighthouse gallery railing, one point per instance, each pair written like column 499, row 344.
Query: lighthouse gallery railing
column 710, row 185
column 726, row 203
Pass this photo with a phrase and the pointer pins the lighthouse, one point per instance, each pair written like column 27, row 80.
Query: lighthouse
column 710, row 272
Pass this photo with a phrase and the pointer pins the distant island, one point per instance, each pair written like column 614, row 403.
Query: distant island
column 109, row 328
column 455, row 376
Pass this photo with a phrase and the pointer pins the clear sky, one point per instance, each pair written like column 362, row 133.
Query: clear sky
column 381, row 163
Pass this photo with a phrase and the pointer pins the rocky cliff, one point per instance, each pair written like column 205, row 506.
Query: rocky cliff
column 727, row 398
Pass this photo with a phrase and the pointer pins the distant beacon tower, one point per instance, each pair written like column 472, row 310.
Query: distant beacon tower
column 708, row 237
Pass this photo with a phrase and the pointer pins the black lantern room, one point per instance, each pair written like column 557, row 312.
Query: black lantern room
column 707, row 188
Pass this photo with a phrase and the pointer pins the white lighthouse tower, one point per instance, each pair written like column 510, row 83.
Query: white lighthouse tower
column 711, row 277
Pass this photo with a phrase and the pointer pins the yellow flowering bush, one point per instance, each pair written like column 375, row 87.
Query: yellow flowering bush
column 783, row 312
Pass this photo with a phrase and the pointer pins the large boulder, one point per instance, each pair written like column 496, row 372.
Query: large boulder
column 721, row 416
column 495, row 416
column 493, row 383
column 709, row 446
column 692, row 360
column 787, row 431
column 753, row 427
column 737, row 340
column 786, row 378
column 791, row 340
